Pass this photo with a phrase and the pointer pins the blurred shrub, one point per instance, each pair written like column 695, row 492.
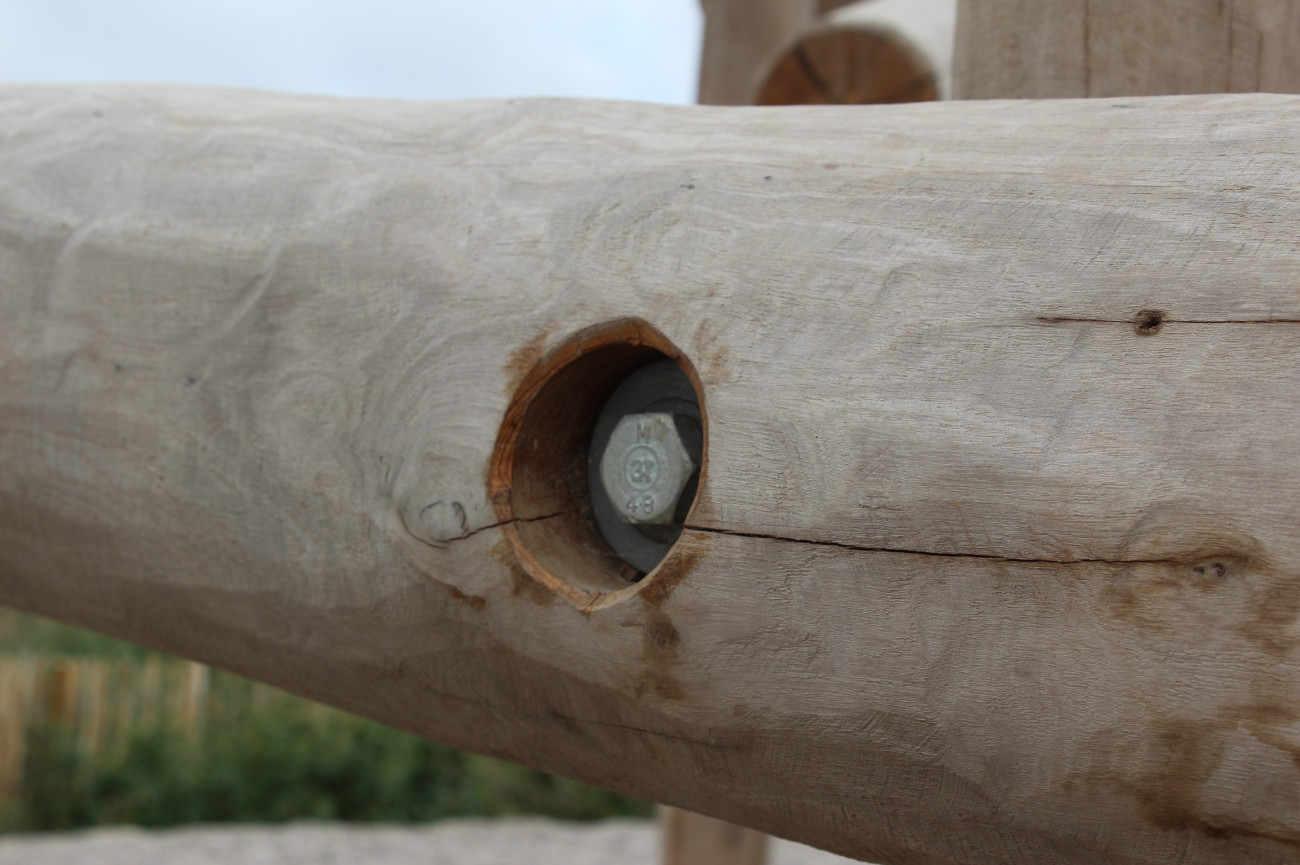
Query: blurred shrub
column 156, row 742
column 20, row 632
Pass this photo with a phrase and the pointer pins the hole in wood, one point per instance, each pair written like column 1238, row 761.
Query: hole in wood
column 1148, row 322
column 545, row 465
column 849, row 66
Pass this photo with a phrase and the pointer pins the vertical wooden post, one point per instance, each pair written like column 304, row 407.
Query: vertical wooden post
column 693, row 839
column 1075, row 48
column 194, row 698
column 15, row 703
column 61, row 698
column 739, row 36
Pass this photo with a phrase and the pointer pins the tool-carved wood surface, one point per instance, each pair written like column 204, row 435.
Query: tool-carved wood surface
column 996, row 557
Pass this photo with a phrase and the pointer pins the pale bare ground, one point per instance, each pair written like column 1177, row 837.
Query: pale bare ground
column 534, row 841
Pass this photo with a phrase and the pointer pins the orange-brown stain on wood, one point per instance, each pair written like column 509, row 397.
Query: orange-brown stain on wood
column 1170, row 796
column 1167, row 565
column 661, row 640
column 1273, row 715
column 659, row 644
column 1274, row 628
column 710, row 354
column 1149, row 594
column 474, row 602
column 1179, row 758
column 1269, row 723
column 1154, row 595
column 521, row 584
column 675, row 568
column 524, row 360
column 1180, row 593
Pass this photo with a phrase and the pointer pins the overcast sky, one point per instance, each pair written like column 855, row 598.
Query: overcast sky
column 436, row 49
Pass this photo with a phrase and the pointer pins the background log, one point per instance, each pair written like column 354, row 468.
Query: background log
column 799, row 52
column 1068, row 48
column 867, row 53
column 996, row 553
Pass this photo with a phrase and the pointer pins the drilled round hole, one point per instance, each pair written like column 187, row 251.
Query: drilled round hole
column 622, row 388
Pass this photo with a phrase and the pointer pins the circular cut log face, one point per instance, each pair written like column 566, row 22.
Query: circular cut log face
column 849, row 66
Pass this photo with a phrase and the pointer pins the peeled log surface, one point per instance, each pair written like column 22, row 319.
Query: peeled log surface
column 997, row 553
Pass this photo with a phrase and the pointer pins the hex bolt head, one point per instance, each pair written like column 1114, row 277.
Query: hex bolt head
column 645, row 468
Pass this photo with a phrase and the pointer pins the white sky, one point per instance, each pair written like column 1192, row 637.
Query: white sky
column 437, row 49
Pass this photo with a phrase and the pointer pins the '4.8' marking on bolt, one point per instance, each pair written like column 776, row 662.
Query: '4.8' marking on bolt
column 643, row 504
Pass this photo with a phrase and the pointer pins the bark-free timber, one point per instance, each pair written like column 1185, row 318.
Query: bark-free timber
column 740, row 38
column 1059, row 48
column 997, row 557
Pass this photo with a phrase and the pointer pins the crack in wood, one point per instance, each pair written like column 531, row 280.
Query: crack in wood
column 1063, row 319
column 443, row 543
column 818, row 82
column 857, row 548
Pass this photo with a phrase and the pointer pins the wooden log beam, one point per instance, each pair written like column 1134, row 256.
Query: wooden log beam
column 996, row 555
column 1072, row 48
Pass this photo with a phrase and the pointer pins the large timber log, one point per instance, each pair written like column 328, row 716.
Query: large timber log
column 996, row 554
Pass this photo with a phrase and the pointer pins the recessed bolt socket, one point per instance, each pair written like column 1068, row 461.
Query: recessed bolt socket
column 644, row 463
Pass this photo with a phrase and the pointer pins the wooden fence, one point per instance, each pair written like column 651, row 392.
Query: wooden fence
column 104, row 701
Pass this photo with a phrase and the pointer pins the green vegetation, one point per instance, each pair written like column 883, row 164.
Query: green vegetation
column 121, row 735
column 21, row 633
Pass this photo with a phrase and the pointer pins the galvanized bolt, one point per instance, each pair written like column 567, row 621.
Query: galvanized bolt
column 645, row 468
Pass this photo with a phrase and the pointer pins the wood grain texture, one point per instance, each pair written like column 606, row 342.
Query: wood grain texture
column 996, row 558
column 1072, row 48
